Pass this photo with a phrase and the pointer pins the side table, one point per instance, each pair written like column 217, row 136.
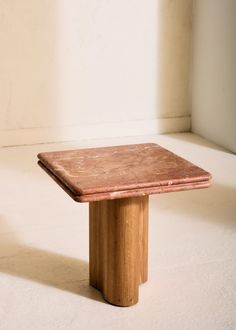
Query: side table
column 116, row 181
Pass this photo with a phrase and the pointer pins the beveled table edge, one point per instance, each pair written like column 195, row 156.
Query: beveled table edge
column 124, row 189
column 128, row 193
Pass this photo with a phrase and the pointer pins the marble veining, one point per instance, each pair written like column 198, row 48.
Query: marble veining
column 122, row 171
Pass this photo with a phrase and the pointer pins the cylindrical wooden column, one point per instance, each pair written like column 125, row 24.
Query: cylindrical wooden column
column 118, row 248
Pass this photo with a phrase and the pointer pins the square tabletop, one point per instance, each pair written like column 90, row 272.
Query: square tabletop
column 121, row 171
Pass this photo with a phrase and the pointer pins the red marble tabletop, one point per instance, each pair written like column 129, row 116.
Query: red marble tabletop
column 121, row 171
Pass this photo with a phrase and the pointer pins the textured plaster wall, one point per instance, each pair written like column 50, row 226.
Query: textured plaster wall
column 81, row 69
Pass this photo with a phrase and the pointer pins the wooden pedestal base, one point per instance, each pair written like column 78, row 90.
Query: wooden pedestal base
column 118, row 248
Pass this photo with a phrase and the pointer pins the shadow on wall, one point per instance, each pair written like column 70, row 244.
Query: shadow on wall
column 68, row 65
column 29, row 80
column 215, row 204
column 28, row 66
column 174, row 65
column 44, row 267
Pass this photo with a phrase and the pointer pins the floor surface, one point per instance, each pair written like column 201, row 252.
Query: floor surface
column 44, row 248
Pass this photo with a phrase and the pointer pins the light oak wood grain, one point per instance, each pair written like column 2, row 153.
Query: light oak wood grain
column 119, row 248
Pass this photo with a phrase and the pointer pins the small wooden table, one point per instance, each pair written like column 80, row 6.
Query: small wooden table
column 116, row 181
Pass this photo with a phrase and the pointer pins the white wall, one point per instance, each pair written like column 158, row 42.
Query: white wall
column 214, row 71
column 88, row 69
